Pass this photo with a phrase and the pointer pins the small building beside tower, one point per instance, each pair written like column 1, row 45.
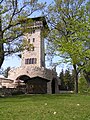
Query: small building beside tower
column 36, row 77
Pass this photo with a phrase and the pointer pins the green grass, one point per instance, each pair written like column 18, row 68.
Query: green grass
column 45, row 107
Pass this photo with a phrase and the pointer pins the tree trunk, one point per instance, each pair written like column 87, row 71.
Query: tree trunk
column 76, row 78
column 1, row 44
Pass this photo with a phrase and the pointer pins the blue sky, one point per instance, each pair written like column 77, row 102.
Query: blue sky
column 15, row 61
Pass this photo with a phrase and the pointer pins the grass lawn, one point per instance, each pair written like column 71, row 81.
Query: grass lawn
column 45, row 107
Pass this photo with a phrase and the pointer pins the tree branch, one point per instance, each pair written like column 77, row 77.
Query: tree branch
column 1, row 1
column 9, row 38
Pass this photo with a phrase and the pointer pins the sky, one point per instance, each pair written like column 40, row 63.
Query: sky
column 15, row 61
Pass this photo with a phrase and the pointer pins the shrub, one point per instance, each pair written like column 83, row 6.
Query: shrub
column 83, row 86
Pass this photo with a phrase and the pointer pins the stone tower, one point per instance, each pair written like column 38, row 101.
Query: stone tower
column 32, row 71
column 35, row 56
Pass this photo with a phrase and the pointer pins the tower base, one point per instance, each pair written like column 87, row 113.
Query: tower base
column 36, row 80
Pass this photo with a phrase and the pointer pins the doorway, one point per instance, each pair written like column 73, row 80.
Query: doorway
column 53, row 86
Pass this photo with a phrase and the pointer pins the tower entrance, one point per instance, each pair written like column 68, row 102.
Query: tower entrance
column 53, row 86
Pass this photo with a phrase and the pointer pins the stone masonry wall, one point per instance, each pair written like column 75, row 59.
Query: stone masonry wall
column 32, row 72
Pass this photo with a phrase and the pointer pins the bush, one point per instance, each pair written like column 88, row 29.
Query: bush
column 17, row 93
column 83, row 86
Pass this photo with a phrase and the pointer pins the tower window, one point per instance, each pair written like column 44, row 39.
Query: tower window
column 31, row 61
column 35, row 60
column 29, row 40
column 26, row 61
column 33, row 39
column 33, row 31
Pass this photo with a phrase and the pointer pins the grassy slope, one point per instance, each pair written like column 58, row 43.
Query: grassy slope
column 45, row 107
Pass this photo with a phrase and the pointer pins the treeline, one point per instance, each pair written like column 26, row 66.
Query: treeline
column 67, row 80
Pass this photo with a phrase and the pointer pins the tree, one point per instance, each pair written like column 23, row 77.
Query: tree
column 70, row 27
column 13, row 14
column 73, row 80
column 83, row 86
column 5, row 72
column 67, row 80
column 61, row 77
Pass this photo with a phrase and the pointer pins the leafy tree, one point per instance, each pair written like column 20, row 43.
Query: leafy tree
column 83, row 86
column 70, row 26
column 13, row 14
column 86, row 70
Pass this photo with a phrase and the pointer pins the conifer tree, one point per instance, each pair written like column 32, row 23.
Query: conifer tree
column 61, row 77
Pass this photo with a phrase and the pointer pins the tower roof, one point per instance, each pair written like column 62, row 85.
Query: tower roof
column 40, row 19
column 26, row 21
column 36, row 22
